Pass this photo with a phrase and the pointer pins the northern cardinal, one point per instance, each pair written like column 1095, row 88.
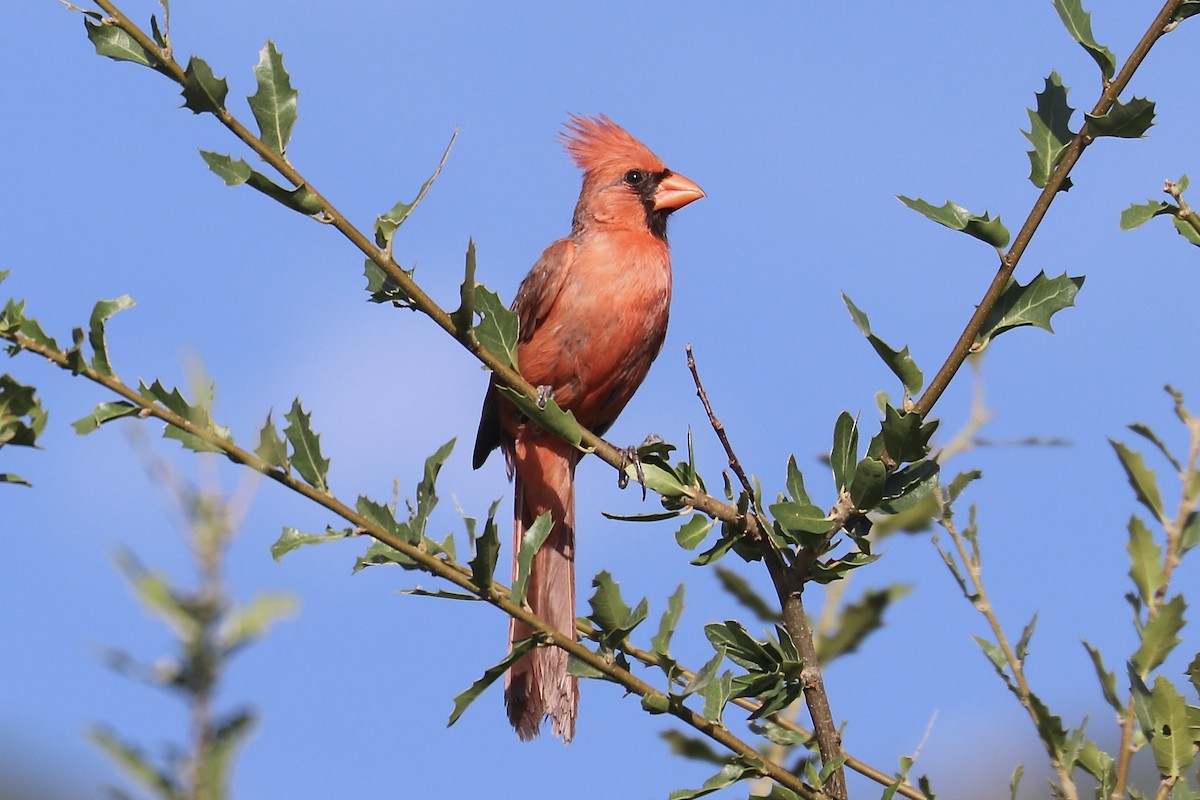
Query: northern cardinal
column 593, row 316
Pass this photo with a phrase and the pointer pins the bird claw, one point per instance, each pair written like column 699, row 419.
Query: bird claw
column 544, row 395
column 630, row 456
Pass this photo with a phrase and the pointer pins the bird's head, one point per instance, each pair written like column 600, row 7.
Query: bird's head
column 624, row 183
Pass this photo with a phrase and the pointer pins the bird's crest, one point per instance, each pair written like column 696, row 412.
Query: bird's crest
column 597, row 144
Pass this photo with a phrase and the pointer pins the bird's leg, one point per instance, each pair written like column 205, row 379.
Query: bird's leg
column 544, row 395
column 629, row 456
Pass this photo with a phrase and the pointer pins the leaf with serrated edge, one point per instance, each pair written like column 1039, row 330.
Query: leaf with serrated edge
column 463, row 700
column 1139, row 214
column 292, row 538
column 102, row 413
column 306, row 448
column 660, row 643
column 271, row 448
column 1145, row 557
column 497, row 328
column 957, row 218
column 550, row 417
column 1032, row 304
column 1108, row 681
column 1079, row 25
column 487, row 553
column 1141, row 478
column 531, row 541
column 1049, row 131
column 274, row 103
column 1171, row 742
column 101, row 313
column 1124, row 120
column 1159, row 636
column 203, row 91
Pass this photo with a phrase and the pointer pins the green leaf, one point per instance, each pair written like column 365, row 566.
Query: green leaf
column 867, row 489
column 384, row 518
column 1124, row 120
column 137, row 765
column 497, row 329
column 463, row 700
column 1159, row 636
column 22, row 418
column 102, row 413
column 957, row 218
column 694, row 531
column 835, row 569
column 531, row 541
column 703, row 676
column 1146, row 433
column 271, row 448
column 464, row 315
column 1050, row 727
column 1032, row 304
column 613, row 618
column 1079, row 25
column 385, row 290
column 1049, row 132
column 1146, row 558
column 660, row 643
column 898, row 361
column 427, row 498
column 306, row 448
column 235, row 172
column 961, row 482
column 907, row 487
column 274, row 103
column 292, row 538
column 243, row 625
column 198, row 414
column 1141, row 478
column 692, row 747
column 202, row 91
column 1137, row 215
column 1185, row 229
column 1171, row 742
column 844, row 455
column 799, row 517
column 736, row 770
column 716, row 696
column 100, row 314
column 387, row 224
column 550, row 418
column 487, row 552
column 858, row 620
column 795, row 483
column 118, row 45
column 906, row 436
column 1193, row 673
column 1022, row 648
column 740, row 647
column 1108, row 680
column 746, row 595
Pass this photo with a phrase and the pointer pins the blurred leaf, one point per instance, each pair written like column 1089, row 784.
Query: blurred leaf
column 1032, row 304
column 858, row 620
column 203, row 91
column 231, row 732
column 271, row 448
column 1049, row 132
column 898, row 361
column 867, row 488
column 1108, row 680
column 702, row 677
column 1141, row 478
column 836, row 569
column 1146, row 558
column 1159, row 636
column 487, row 553
column 100, row 314
column 660, row 643
column 1145, row 432
column 1096, row 762
column 906, row 436
column 962, row 481
column 1079, row 25
column 531, row 541
column 22, row 418
column 1124, row 120
column 957, row 218
column 995, row 654
column 694, row 531
column 614, row 619
column 736, row 770
column 306, row 448
column 274, row 103
column 692, row 747
column 1015, row 781
column 251, row 621
column 844, row 455
column 136, row 765
column 1050, row 727
column 1137, row 215
column 746, row 595
column 1022, row 649
column 519, row 649
column 156, row 595
column 1172, row 745
column 291, row 538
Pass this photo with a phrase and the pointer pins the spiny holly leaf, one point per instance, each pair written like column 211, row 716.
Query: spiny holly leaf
column 306, row 448
column 487, row 552
column 203, row 91
column 1171, row 742
column 858, row 620
column 1108, row 680
column 271, row 448
column 660, row 643
column 102, row 413
column 898, row 361
column 292, row 538
column 274, row 103
column 1193, row 673
column 198, row 413
column 385, row 290
column 383, row 516
column 1079, row 25
column 957, row 218
column 531, row 541
column 1139, row 214
column 1049, row 132
column 550, row 418
column 463, row 700
column 22, row 418
column 1032, row 304
column 906, row 436
column 497, row 329
column 613, row 618
column 1159, row 636
column 427, row 498
column 387, row 224
column 236, row 172
column 1124, row 120
column 1141, row 478
column 1146, row 558
column 464, row 315
column 102, row 311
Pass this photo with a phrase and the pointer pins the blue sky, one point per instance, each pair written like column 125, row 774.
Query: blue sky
column 802, row 125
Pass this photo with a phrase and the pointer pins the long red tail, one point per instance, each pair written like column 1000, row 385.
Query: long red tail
column 538, row 684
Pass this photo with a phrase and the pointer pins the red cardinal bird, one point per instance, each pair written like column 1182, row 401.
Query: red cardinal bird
column 593, row 314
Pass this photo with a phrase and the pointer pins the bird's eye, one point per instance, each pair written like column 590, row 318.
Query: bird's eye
column 634, row 177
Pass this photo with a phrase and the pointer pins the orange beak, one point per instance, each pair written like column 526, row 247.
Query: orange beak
column 675, row 191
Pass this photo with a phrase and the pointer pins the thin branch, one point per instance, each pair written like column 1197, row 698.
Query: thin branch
column 1008, row 262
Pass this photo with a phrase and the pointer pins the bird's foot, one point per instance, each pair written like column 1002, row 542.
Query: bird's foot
column 544, row 395
column 630, row 455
